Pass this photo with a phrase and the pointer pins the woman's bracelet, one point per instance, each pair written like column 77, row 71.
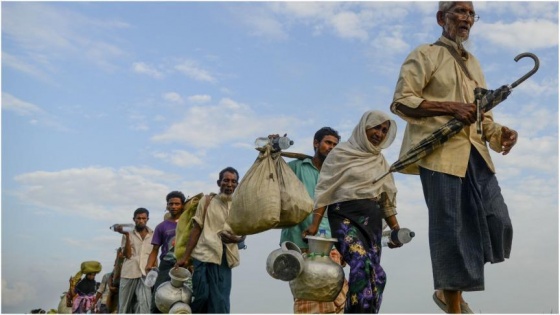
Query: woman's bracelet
column 316, row 213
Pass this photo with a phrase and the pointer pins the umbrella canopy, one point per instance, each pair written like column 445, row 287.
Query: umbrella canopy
column 486, row 100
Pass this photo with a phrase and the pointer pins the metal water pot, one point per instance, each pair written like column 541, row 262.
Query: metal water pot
column 286, row 262
column 170, row 292
column 180, row 308
column 321, row 279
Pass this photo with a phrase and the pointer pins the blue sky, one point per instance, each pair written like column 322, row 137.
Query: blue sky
column 108, row 106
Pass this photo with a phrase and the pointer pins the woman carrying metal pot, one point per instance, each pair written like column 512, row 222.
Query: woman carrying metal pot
column 356, row 208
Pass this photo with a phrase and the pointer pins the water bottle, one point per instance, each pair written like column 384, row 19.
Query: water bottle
column 402, row 235
column 241, row 245
column 281, row 143
column 261, row 142
column 151, row 278
column 278, row 143
column 127, row 227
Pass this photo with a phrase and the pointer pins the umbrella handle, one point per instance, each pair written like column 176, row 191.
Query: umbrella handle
column 381, row 177
column 528, row 74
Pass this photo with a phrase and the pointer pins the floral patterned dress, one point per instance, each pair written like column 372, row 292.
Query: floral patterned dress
column 357, row 226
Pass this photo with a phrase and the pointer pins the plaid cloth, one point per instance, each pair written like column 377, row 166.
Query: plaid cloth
column 334, row 307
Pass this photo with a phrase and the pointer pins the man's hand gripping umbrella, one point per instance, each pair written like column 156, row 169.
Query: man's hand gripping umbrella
column 485, row 100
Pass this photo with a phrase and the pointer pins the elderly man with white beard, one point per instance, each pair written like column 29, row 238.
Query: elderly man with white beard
column 469, row 223
column 213, row 248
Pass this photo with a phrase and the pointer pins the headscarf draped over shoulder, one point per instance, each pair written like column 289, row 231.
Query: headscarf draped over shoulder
column 350, row 168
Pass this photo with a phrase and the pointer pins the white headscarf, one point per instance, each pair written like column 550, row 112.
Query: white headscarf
column 350, row 168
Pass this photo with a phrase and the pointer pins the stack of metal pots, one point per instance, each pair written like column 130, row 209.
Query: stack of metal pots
column 312, row 276
column 174, row 296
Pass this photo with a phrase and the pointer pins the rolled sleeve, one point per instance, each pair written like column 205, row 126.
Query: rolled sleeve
column 413, row 77
column 388, row 205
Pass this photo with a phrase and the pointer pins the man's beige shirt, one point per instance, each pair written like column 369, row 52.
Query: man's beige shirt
column 431, row 73
column 210, row 248
column 133, row 268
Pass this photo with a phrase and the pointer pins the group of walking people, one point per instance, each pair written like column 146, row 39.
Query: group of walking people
column 212, row 251
column 469, row 224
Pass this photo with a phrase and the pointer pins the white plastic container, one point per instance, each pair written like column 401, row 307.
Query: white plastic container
column 151, row 278
column 403, row 236
column 127, row 227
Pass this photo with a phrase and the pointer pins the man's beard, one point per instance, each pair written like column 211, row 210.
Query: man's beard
column 462, row 42
column 459, row 40
column 225, row 197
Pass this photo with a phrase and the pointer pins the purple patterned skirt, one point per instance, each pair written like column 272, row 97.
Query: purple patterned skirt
column 356, row 224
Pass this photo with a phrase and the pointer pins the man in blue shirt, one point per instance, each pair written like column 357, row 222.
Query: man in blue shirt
column 307, row 170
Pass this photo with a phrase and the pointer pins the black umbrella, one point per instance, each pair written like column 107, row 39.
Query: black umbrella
column 485, row 100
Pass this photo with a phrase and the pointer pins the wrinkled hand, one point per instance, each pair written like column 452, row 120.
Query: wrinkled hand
column 508, row 140
column 465, row 113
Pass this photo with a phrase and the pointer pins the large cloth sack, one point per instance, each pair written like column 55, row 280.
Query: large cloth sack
column 295, row 203
column 255, row 205
column 184, row 225
column 63, row 307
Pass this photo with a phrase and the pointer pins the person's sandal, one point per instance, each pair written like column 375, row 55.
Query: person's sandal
column 439, row 303
column 465, row 309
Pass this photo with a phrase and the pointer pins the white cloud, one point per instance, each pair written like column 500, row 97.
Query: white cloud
column 138, row 122
column 345, row 20
column 173, row 97
column 37, row 114
column 140, row 126
column 304, row 10
column 95, row 193
column 538, row 155
column 143, row 68
column 393, row 40
column 17, row 292
column 209, row 126
column 266, row 26
column 521, row 35
column 348, row 25
column 518, row 9
column 191, row 69
column 200, row 98
column 12, row 103
column 45, row 36
column 159, row 118
column 22, row 65
column 179, row 158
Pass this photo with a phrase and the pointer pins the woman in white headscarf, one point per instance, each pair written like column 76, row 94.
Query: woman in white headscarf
column 355, row 206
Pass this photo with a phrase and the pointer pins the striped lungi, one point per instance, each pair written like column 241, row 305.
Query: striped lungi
column 469, row 225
